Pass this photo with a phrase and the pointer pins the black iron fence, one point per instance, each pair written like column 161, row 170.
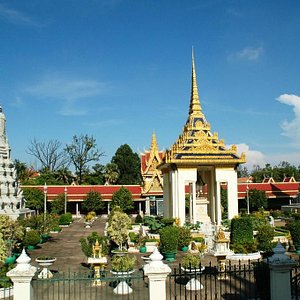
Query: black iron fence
column 83, row 285
column 234, row 281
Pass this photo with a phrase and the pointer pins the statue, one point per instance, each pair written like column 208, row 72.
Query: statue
column 97, row 250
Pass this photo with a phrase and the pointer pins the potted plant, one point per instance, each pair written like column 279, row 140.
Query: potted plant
column 117, row 229
column 294, row 228
column 141, row 243
column 184, row 238
column 31, row 239
column 169, row 242
column 191, row 261
column 123, row 264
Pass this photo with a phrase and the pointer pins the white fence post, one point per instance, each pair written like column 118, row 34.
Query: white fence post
column 21, row 277
column 157, row 273
column 280, row 266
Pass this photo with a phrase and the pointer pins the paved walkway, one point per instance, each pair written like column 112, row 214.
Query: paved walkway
column 65, row 246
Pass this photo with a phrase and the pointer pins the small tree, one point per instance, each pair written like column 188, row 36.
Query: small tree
column 11, row 234
column 93, row 201
column 34, row 198
column 118, row 228
column 123, row 199
column 58, row 204
column 257, row 199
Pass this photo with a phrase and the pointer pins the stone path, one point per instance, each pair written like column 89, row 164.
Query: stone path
column 65, row 246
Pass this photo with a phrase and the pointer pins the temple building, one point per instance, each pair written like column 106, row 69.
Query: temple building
column 200, row 160
column 12, row 202
column 152, row 188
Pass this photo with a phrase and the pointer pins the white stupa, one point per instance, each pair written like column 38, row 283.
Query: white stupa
column 12, row 201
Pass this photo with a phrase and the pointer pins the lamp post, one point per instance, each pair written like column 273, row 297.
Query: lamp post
column 247, row 191
column 45, row 200
column 65, row 190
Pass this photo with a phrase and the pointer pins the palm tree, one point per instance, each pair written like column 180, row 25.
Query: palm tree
column 111, row 173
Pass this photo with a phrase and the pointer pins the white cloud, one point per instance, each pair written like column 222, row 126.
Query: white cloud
column 15, row 17
column 17, row 102
column 291, row 128
column 253, row 157
column 248, row 53
column 65, row 88
column 69, row 91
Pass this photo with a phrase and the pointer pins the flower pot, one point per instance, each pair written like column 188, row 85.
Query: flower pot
column 31, row 247
column 143, row 249
column 184, row 248
column 169, row 256
column 10, row 260
column 44, row 238
column 297, row 247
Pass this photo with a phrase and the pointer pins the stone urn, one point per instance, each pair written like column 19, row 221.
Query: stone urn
column 45, row 262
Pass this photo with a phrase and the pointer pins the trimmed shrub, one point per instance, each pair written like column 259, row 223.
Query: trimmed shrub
column 184, row 237
column 65, row 219
column 138, row 219
column 32, row 237
column 264, row 238
column 241, row 236
column 169, row 239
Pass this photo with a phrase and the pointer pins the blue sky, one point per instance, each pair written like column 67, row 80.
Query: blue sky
column 120, row 69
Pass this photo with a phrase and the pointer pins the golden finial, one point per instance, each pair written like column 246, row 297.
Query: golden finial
column 195, row 107
column 153, row 146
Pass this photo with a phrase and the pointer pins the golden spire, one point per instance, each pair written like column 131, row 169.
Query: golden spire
column 195, row 108
column 153, row 146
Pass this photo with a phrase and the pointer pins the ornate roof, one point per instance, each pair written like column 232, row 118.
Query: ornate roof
column 196, row 144
column 152, row 177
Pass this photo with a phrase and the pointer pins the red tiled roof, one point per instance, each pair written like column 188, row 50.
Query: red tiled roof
column 78, row 192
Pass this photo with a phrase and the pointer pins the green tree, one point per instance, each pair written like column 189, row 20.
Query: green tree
column 257, row 199
column 93, row 201
column 82, row 151
column 96, row 176
column 117, row 228
column 123, row 199
column 128, row 164
column 58, row 204
column 34, row 199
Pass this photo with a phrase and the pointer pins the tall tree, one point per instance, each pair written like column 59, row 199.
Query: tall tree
column 82, row 151
column 123, row 199
column 49, row 154
column 128, row 164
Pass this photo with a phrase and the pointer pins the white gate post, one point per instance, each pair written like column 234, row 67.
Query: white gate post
column 280, row 266
column 157, row 273
column 21, row 277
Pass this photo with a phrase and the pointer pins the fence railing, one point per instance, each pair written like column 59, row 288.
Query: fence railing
column 238, row 281
column 82, row 285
